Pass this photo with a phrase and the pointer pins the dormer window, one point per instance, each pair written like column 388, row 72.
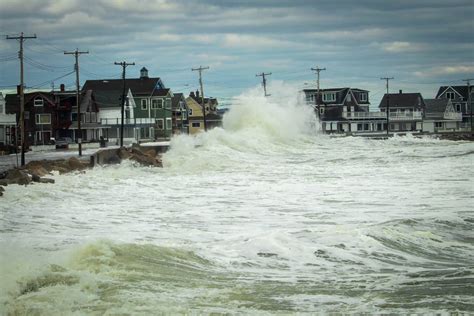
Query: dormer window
column 329, row 97
column 38, row 102
column 450, row 95
column 363, row 97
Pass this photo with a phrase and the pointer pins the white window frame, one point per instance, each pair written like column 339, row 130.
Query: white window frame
column 144, row 104
column 190, row 112
column 168, row 103
column 193, row 124
column 450, row 93
column 363, row 97
column 38, row 119
column 156, row 104
column 2, row 107
column 162, row 124
column 38, row 102
column 168, row 123
column 349, row 97
column 329, row 97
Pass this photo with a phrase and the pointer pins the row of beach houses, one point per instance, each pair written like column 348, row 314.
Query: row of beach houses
column 153, row 112
column 346, row 111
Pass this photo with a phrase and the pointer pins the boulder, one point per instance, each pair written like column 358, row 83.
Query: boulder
column 75, row 164
column 18, row 176
column 3, row 182
column 2, row 189
column 146, row 160
column 150, row 152
column 123, row 153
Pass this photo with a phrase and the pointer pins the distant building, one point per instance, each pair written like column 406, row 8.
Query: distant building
column 406, row 111
column 459, row 97
column 196, row 116
column 344, row 110
column 53, row 114
column 440, row 116
column 148, row 112
column 180, row 114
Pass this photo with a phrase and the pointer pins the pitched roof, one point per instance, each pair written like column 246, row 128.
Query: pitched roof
column 341, row 94
column 462, row 90
column 436, row 105
column 140, row 86
column 12, row 101
column 108, row 99
column 403, row 100
column 175, row 100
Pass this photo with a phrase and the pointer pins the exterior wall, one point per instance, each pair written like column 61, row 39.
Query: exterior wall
column 196, row 116
column 162, row 113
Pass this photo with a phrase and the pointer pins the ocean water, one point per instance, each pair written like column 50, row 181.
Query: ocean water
column 264, row 216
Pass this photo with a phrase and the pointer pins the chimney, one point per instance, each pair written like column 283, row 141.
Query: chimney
column 400, row 91
column 191, row 94
column 61, row 87
column 197, row 94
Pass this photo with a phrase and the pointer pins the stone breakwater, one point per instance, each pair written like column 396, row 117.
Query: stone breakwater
column 37, row 171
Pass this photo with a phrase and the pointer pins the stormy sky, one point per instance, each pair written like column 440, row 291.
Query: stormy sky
column 422, row 43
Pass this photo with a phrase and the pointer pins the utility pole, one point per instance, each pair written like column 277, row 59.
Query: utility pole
column 264, row 82
column 124, row 66
column 21, row 39
column 388, row 103
column 318, row 70
column 468, row 81
column 200, row 69
column 76, row 54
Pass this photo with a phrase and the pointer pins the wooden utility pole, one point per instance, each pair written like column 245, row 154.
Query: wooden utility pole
column 468, row 81
column 124, row 66
column 200, row 69
column 264, row 82
column 388, row 103
column 76, row 54
column 21, row 39
column 318, row 70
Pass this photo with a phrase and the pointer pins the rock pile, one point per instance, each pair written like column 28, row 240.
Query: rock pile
column 35, row 171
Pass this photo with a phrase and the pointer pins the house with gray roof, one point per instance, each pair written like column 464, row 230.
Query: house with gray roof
column 459, row 97
column 344, row 110
column 7, row 126
column 180, row 114
column 406, row 111
column 147, row 113
column 440, row 116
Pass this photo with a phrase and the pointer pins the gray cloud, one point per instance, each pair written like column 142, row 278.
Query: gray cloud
column 422, row 43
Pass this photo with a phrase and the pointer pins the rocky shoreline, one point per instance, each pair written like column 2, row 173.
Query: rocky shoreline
column 37, row 171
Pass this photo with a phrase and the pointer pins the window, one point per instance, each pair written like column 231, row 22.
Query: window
column 190, row 112
column 450, row 95
column 359, row 127
column 321, row 111
column 144, row 104
column 159, row 123
column 438, row 124
column 349, row 97
column 329, row 97
column 38, row 102
column 363, row 97
column 196, row 124
column 458, row 107
column 168, row 123
column 366, row 127
column 1, row 107
column 157, row 103
column 168, row 103
column 43, row 118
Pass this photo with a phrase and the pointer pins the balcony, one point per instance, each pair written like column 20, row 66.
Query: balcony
column 128, row 121
column 394, row 116
column 453, row 116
